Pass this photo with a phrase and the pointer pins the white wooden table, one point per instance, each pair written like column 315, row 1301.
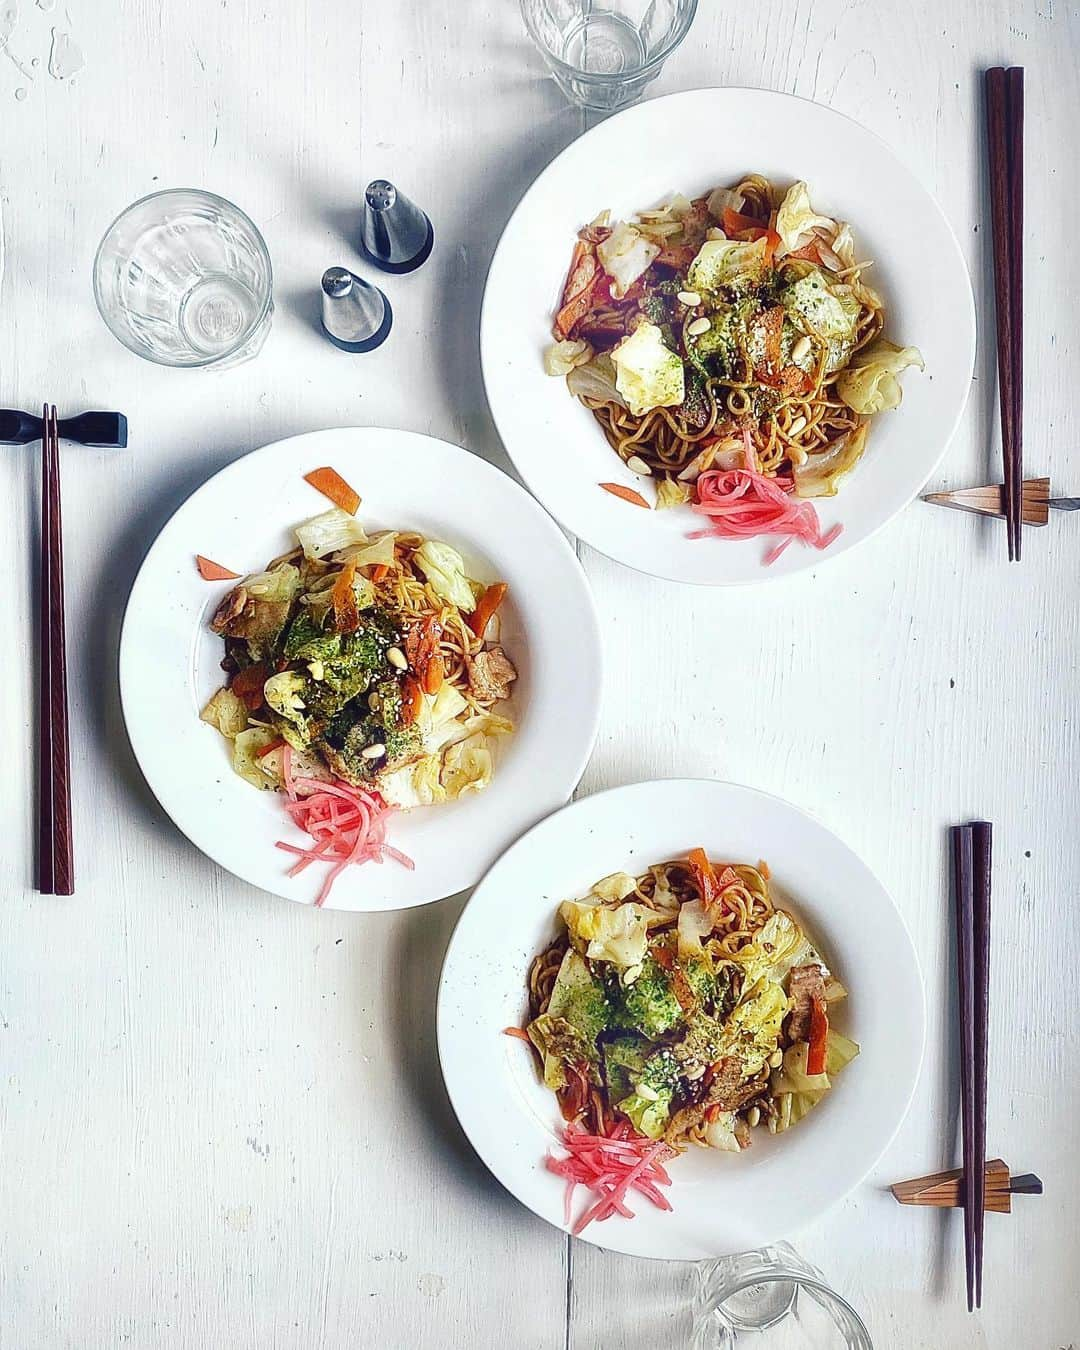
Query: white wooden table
column 221, row 1116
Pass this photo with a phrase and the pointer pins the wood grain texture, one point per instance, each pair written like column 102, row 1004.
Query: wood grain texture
column 221, row 1117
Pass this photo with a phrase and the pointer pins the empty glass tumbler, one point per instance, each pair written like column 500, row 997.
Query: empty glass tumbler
column 183, row 278
column 772, row 1300
column 603, row 54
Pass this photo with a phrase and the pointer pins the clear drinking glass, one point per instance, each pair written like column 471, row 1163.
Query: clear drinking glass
column 602, row 53
column 772, row 1300
column 183, row 278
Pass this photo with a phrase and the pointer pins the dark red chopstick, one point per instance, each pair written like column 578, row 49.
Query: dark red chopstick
column 965, row 980
column 1005, row 140
column 981, row 842
column 971, row 849
column 56, row 870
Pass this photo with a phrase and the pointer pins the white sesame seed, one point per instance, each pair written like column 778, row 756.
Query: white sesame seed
column 698, row 327
column 801, row 349
column 753, row 1116
column 637, row 465
column 690, row 299
column 373, row 751
column 396, row 657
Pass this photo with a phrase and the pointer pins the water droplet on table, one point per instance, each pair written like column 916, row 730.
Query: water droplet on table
column 46, row 6
column 20, row 94
column 9, row 17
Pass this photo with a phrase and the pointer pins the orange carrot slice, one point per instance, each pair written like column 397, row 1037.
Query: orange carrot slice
column 331, row 484
column 212, row 571
column 486, row 606
column 627, row 494
column 434, row 675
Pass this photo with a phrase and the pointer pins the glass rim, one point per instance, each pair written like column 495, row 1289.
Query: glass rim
column 610, row 77
column 265, row 309
column 782, row 1276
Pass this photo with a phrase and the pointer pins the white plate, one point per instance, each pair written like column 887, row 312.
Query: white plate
column 722, row 1203
column 691, row 142
column 244, row 516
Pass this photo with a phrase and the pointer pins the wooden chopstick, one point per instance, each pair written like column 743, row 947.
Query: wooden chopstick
column 1005, row 133
column 56, row 872
column 981, row 840
column 963, row 866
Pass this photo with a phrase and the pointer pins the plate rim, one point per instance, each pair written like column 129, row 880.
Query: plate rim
column 442, row 997
column 767, row 575
column 545, row 520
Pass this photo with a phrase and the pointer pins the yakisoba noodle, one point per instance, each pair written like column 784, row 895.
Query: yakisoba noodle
column 683, row 1004
column 731, row 332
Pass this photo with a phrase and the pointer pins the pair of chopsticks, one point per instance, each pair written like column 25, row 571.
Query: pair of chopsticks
column 1005, row 136
column 56, row 868
column 971, row 845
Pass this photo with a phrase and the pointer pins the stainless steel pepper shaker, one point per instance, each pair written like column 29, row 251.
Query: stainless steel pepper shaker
column 394, row 233
column 356, row 316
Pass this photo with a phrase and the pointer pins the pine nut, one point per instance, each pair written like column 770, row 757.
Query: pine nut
column 396, row 657
column 698, row 327
column 797, row 426
column 776, row 1059
column 648, row 1093
column 692, row 1075
column 690, row 299
column 637, row 465
column 753, row 1116
column 801, row 349
column 630, row 974
column 373, row 751
column 316, row 670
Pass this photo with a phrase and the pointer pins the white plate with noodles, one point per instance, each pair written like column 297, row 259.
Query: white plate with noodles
column 734, row 290
column 688, row 980
column 387, row 636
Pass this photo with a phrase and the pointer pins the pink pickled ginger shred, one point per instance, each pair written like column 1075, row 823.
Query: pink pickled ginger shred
column 610, row 1167
column 742, row 503
column 347, row 825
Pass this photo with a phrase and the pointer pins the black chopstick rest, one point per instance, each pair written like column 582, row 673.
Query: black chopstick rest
column 107, row 429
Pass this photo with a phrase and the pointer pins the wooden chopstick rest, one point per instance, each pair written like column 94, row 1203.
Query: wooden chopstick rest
column 942, row 1190
column 1035, row 501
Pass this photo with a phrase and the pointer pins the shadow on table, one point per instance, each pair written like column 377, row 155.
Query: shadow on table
column 417, row 950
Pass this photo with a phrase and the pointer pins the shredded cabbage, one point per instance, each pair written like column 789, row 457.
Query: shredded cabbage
column 776, row 948
column 246, row 747
column 670, row 492
column 868, row 383
column 560, row 358
column 615, row 887
column 329, row 533
column 720, row 1133
column 648, row 373
column 616, row 935
column 693, row 926
column 414, row 784
column 823, row 469
column 625, row 255
column 444, row 568
column 722, row 199
column 796, row 219
column 276, row 586
column 596, row 380
column 377, row 551
column 227, row 712
column 727, row 262
column 466, row 766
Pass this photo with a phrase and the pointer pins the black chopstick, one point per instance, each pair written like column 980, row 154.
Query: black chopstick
column 56, row 872
column 981, row 841
column 963, row 868
column 1005, row 139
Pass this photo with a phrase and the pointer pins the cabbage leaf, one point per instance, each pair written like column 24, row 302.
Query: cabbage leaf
column 444, row 568
column 625, row 255
column 648, row 373
column 823, row 470
column 226, row 711
column 868, row 383
column 727, row 262
column 328, row 533
column 595, row 380
column 796, row 219
column 618, row 935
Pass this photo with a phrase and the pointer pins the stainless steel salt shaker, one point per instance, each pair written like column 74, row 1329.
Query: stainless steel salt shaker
column 394, row 233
